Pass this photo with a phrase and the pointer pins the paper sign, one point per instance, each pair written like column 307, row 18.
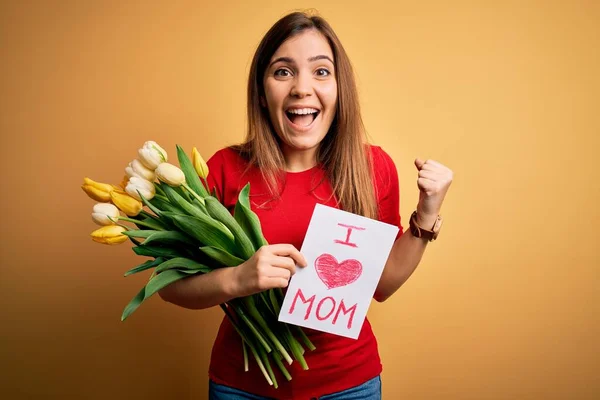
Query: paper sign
column 346, row 254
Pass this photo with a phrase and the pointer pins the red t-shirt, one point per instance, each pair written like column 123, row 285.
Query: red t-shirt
column 338, row 363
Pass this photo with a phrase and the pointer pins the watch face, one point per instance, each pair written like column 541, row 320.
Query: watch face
column 438, row 224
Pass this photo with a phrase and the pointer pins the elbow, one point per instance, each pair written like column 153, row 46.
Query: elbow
column 165, row 294
column 380, row 297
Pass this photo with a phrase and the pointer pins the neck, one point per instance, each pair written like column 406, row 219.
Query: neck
column 299, row 160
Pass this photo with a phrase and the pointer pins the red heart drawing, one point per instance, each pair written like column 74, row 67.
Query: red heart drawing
column 334, row 274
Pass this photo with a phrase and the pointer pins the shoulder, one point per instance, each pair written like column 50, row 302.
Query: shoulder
column 379, row 157
column 227, row 160
column 224, row 156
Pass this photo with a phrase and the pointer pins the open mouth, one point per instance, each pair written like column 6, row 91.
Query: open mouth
column 302, row 117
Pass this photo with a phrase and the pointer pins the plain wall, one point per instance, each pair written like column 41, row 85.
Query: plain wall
column 505, row 305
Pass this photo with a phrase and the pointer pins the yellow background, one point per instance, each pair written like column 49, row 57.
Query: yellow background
column 505, row 304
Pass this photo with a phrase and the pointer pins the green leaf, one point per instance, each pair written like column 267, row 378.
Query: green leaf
column 157, row 223
column 156, row 251
column 144, row 223
column 222, row 257
column 168, row 237
column 183, row 204
column 158, row 189
column 164, row 204
column 206, row 231
column 149, row 205
column 222, row 214
column 154, row 285
column 191, row 176
column 183, row 193
column 200, row 205
column 182, row 263
column 134, row 241
column 139, row 233
column 247, row 219
column 147, row 265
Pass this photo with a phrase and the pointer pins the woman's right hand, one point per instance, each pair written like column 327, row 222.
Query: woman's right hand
column 270, row 267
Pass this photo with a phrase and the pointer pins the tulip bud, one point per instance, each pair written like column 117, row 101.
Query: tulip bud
column 145, row 187
column 97, row 191
column 123, row 183
column 110, row 234
column 199, row 164
column 152, row 155
column 102, row 211
column 136, row 168
column 170, row 174
column 126, row 203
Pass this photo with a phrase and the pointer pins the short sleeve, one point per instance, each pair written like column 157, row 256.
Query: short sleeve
column 387, row 188
column 216, row 174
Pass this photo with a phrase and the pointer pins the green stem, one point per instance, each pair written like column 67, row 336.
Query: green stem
column 196, row 195
column 263, row 296
column 256, row 315
column 247, row 340
column 205, row 184
column 284, row 371
column 250, row 325
column 296, row 348
column 116, row 223
column 304, row 338
column 260, row 364
column 245, row 355
column 265, row 360
column 274, row 302
column 138, row 222
column 148, row 215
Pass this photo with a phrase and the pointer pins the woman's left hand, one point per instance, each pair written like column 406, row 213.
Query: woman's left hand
column 433, row 182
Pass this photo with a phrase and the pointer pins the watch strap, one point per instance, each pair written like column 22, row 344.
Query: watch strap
column 420, row 232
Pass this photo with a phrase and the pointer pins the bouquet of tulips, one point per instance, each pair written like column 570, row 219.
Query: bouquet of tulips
column 186, row 230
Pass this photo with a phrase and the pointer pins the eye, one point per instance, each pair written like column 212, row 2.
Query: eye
column 282, row 72
column 323, row 72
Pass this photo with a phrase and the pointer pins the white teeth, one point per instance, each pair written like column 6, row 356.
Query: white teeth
column 303, row 111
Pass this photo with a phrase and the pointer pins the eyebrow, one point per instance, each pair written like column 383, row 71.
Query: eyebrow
column 291, row 61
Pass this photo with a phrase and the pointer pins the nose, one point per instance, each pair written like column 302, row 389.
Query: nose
column 302, row 86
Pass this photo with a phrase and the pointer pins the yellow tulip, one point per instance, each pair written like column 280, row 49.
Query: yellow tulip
column 110, row 234
column 97, row 191
column 126, row 203
column 199, row 164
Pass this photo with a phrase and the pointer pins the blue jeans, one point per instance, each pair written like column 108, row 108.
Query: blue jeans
column 370, row 390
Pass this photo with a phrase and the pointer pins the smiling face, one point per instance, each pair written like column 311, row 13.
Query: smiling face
column 301, row 94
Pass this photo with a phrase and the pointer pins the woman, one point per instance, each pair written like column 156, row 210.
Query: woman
column 306, row 145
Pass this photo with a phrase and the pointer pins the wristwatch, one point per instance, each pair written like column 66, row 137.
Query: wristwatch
column 419, row 231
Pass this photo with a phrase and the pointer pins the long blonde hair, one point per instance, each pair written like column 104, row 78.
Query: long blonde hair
column 343, row 153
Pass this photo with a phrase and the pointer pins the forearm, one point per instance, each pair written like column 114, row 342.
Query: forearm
column 201, row 290
column 405, row 256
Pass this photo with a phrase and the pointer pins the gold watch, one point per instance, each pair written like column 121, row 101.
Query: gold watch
column 419, row 231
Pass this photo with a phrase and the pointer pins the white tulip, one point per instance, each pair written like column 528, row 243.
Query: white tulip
column 151, row 155
column 145, row 187
column 136, row 168
column 102, row 211
column 170, row 174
